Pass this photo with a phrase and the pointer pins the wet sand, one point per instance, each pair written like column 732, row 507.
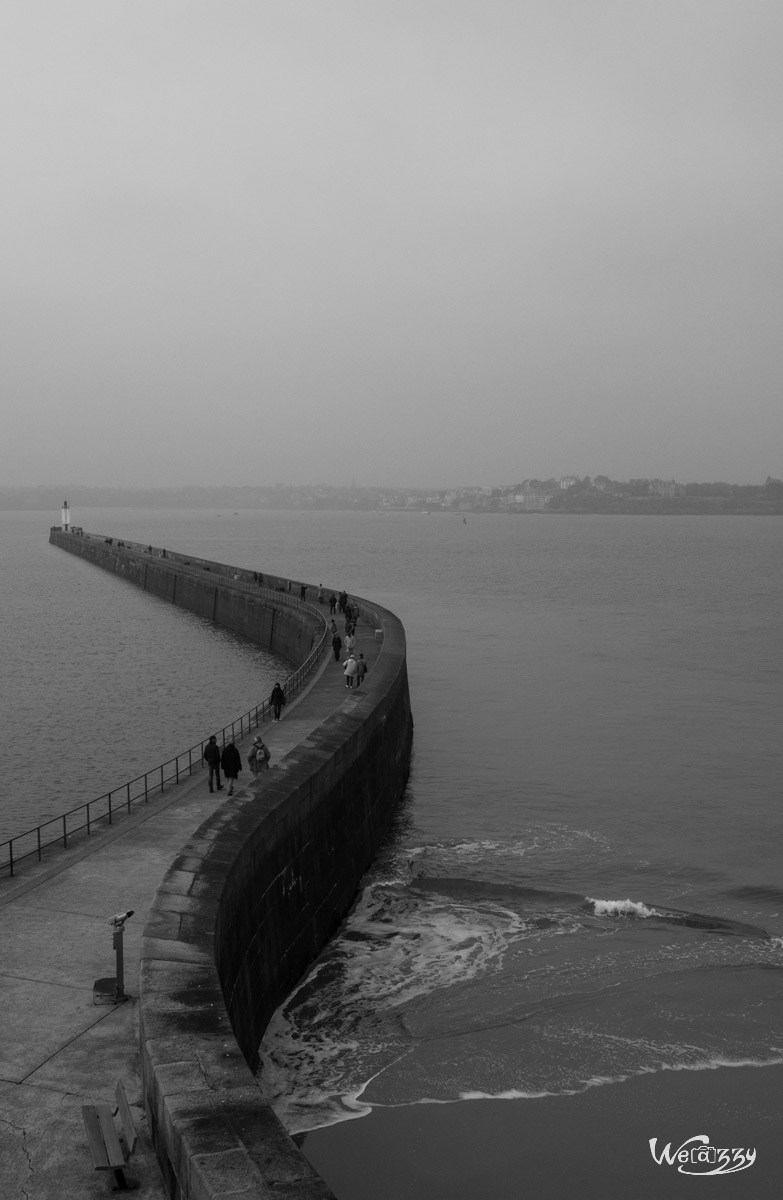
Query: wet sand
column 591, row 1146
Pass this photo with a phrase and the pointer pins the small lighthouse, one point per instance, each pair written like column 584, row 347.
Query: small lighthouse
column 66, row 517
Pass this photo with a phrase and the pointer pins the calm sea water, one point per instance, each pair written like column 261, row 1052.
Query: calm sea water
column 100, row 681
column 584, row 880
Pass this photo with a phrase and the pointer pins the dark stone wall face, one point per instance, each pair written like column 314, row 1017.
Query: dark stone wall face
column 255, row 894
column 296, row 872
column 210, row 590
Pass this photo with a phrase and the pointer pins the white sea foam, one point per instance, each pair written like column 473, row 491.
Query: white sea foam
column 622, row 908
column 541, row 843
column 344, row 1026
column 719, row 1061
column 594, row 1081
column 509, row 1094
column 402, row 947
column 437, row 994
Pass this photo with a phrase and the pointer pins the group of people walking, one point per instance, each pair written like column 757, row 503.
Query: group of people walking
column 228, row 759
column 354, row 669
column 354, row 666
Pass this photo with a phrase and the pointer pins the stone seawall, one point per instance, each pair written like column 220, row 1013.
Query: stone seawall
column 255, row 894
column 271, row 615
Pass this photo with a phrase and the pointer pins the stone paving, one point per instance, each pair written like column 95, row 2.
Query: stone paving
column 59, row 1049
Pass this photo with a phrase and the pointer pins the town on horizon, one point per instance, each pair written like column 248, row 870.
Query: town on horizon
column 566, row 494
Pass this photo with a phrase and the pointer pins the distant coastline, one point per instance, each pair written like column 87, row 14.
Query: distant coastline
column 598, row 496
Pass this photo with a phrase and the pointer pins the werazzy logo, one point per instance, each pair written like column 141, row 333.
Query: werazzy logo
column 703, row 1159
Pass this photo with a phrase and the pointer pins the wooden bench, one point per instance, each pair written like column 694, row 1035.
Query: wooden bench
column 108, row 1153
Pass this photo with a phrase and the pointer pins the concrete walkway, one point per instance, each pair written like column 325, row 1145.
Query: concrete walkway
column 58, row 1048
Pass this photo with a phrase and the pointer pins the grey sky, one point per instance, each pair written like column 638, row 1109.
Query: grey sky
column 415, row 242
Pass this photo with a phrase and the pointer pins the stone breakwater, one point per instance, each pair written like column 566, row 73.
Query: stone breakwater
column 267, row 613
column 259, row 888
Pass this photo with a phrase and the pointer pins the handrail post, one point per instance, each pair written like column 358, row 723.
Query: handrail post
column 161, row 778
column 109, row 799
column 65, row 831
column 127, row 785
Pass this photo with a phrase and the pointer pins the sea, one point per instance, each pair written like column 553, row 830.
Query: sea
column 582, row 887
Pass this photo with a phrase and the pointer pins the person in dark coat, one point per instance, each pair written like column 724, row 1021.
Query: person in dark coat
column 337, row 645
column 211, row 755
column 231, row 764
column 277, row 700
column 332, row 603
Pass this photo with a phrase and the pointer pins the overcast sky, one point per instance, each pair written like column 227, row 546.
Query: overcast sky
column 421, row 242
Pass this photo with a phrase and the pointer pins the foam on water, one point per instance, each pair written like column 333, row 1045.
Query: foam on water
column 710, row 1064
column 622, row 908
column 446, row 986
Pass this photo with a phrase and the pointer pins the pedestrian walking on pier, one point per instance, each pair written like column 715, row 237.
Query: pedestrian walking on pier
column 342, row 601
column 231, row 764
column 303, row 591
column 349, row 670
column 337, row 645
column 361, row 670
column 332, row 627
column 332, row 604
column 259, row 755
column 211, row 756
column 349, row 642
column 277, row 700
column 320, row 593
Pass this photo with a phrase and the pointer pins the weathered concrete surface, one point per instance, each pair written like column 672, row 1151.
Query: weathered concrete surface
column 59, row 1050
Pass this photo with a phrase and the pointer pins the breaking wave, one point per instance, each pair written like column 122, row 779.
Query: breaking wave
column 636, row 908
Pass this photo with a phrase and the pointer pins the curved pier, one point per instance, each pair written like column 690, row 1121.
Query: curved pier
column 249, row 893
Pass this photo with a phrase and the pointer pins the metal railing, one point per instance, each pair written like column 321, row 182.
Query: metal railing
column 103, row 810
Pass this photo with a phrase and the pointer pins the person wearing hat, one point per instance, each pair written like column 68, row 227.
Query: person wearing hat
column 349, row 670
column 259, row 755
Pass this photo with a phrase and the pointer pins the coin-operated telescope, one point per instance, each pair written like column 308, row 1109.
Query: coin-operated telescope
column 112, row 990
